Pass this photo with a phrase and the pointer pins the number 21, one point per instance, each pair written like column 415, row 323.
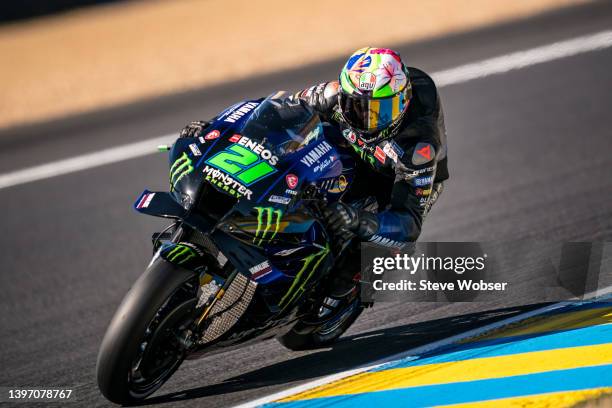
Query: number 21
column 242, row 164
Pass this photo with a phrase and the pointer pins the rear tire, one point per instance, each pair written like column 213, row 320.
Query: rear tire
column 304, row 336
column 161, row 297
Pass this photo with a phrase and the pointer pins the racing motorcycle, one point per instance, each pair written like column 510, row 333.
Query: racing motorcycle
column 246, row 258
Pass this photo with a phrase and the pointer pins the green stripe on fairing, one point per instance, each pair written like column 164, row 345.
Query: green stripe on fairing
column 293, row 291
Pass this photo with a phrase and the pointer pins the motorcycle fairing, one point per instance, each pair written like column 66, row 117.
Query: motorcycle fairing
column 190, row 162
column 162, row 204
column 264, row 217
column 158, row 204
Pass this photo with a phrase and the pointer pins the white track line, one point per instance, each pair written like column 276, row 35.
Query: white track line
column 414, row 352
column 84, row 162
column 522, row 59
column 480, row 69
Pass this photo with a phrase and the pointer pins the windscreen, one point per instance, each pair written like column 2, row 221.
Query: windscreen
column 282, row 125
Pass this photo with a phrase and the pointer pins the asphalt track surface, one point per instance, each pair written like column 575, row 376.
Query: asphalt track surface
column 529, row 156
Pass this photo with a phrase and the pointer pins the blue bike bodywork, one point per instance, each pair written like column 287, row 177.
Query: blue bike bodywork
column 245, row 188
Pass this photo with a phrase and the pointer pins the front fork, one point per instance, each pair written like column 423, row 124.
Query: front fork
column 170, row 245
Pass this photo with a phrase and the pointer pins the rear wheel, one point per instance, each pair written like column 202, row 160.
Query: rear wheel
column 307, row 336
column 141, row 347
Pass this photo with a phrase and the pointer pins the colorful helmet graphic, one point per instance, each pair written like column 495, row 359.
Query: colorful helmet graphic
column 374, row 90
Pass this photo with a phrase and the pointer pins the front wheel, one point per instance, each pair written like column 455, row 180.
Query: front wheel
column 140, row 349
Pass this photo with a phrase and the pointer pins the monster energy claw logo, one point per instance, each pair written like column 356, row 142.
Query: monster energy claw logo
column 180, row 254
column 179, row 169
column 267, row 219
column 303, row 276
column 364, row 154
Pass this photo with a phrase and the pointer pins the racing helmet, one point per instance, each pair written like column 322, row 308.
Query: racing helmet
column 375, row 91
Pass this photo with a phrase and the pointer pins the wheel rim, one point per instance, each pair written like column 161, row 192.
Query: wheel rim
column 160, row 352
column 333, row 325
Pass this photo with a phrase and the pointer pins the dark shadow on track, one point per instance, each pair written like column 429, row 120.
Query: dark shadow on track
column 348, row 353
column 11, row 11
column 224, row 94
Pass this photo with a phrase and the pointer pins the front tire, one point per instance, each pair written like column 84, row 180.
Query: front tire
column 137, row 355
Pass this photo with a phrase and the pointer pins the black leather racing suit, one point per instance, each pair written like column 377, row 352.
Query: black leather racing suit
column 406, row 170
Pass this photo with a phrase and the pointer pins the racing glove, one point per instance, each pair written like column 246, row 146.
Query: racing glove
column 342, row 220
column 194, row 129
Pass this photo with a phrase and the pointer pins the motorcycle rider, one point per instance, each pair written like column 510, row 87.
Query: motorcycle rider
column 391, row 117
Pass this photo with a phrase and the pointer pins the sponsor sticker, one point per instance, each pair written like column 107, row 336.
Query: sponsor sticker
column 422, row 192
column 316, row 153
column 279, row 199
column 255, row 147
column 268, row 223
column 181, row 167
column 145, row 200
column 194, row 149
column 212, row 135
column 240, row 112
column 380, row 155
column 226, row 183
column 390, row 152
column 339, row 185
column 342, row 183
column 260, row 270
column 311, row 136
column 292, row 180
column 397, row 149
column 367, row 81
column 423, row 153
column 349, row 135
column 182, row 252
column 423, row 181
column 325, row 164
column 377, row 239
column 425, row 170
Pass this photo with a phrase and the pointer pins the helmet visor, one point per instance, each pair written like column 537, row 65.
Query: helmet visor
column 369, row 115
